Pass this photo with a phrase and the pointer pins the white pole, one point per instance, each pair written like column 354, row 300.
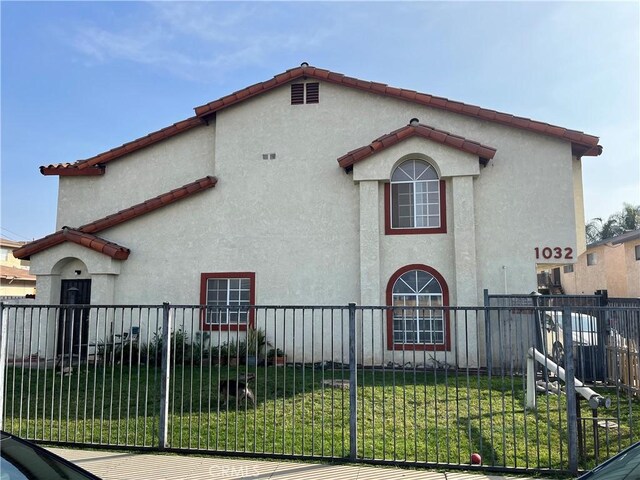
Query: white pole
column 595, row 399
column 531, row 383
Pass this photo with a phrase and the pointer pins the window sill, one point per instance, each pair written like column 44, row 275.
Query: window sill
column 212, row 327
column 419, row 347
column 414, row 231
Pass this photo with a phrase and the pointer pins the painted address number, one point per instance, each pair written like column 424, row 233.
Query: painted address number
column 548, row 253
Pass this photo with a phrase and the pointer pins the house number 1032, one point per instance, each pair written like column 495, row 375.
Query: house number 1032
column 548, row 253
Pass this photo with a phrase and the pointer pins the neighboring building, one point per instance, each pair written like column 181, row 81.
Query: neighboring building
column 612, row 265
column 328, row 190
column 15, row 279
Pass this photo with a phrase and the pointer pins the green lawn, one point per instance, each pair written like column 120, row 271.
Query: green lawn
column 437, row 417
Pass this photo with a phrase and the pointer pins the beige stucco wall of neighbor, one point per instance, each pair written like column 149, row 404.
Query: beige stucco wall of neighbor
column 305, row 227
column 633, row 268
column 613, row 271
column 16, row 288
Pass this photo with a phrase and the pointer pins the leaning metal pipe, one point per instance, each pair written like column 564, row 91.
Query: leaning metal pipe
column 595, row 399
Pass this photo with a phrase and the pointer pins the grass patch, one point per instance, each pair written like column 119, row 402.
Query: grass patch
column 438, row 417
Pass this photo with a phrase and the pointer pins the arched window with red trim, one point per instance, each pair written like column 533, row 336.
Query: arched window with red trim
column 415, row 200
column 418, row 320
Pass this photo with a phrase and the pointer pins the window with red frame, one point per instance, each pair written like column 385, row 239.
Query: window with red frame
column 418, row 320
column 227, row 297
column 415, row 200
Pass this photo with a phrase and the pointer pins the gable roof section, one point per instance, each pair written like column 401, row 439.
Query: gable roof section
column 85, row 235
column 582, row 143
column 484, row 152
column 95, row 165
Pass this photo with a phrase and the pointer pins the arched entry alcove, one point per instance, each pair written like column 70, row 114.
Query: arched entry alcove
column 73, row 320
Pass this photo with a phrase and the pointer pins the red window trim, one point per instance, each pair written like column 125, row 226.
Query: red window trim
column 414, row 231
column 445, row 302
column 204, row 326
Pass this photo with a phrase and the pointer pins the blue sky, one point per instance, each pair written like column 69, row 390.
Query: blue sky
column 79, row 78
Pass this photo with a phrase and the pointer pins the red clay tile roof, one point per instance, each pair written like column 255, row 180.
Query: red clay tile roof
column 582, row 143
column 12, row 273
column 484, row 152
column 84, row 235
column 71, row 169
column 98, row 244
column 76, row 236
column 95, row 165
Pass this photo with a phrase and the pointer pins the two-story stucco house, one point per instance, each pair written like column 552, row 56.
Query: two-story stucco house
column 314, row 188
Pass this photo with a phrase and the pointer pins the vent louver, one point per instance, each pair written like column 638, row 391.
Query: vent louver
column 297, row 93
column 313, row 93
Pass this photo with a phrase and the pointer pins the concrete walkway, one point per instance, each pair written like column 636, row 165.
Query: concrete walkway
column 119, row 466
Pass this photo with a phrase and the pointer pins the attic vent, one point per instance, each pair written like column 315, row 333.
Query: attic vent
column 313, row 93
column 297, row 93
column 305, row 91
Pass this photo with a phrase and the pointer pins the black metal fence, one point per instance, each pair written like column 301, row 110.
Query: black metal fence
column 421, row 386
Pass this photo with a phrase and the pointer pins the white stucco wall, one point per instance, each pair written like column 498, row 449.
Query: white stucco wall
column 137, row 177
column 298, row 220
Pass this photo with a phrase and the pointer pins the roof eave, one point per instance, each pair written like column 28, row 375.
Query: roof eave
column 96, row 164
column 72, row 171
column 484, row 152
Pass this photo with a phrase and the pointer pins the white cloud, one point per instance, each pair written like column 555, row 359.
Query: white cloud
column 199, row 41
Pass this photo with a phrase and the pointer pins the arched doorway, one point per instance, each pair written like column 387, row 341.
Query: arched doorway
column 73, row 320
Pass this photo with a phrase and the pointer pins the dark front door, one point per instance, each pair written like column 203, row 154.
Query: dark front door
column 73, row 323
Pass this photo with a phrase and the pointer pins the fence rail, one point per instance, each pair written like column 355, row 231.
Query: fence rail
column 405, row 385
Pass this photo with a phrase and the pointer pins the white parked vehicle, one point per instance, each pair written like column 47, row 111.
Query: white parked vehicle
column 584, row 333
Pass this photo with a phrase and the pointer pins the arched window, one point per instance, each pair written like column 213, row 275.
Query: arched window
column 418, row 320
column 416, row 199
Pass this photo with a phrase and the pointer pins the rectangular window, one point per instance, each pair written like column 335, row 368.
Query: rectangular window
column 416, row 204
column 568, row 269
column 415, row 208
column 418, row 325
column 302, row 93
column 592, row 259
column 4, row 253
column 637, row 252
column 227, row 298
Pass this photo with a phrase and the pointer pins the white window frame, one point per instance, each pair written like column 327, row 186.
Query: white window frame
column 423, row 315
column 234, row 314
column 425, row 185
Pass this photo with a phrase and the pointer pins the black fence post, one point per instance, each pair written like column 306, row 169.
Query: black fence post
column 353, row 384
column 572, row 416
column 603, row 324
column 487, row 331
column 4, row 328
column 163, row 428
